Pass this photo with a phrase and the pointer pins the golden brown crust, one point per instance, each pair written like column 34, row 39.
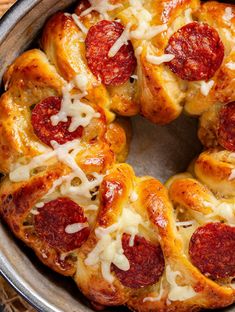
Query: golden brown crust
column 223, row 89
column 29, row 80
column 157, row 103
column 214, row 168
column 17, row 201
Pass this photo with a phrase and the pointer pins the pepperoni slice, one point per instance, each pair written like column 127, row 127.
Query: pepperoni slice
column 52, row 220
column 198, row 51
column 111, row 70
column 226, row 131
column 43, row 128
column 212, row 248
column 146, row 263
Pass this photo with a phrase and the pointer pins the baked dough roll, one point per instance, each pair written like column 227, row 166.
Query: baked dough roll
column 36, row 94
column 123, row 255
column 205, row 225
column 215, row 168
column 173, row 71
column 125, row 240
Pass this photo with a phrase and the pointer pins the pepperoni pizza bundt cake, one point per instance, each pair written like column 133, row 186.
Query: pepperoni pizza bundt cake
column 67, row 192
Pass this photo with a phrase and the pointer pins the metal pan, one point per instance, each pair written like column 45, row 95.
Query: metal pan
column 158, row 151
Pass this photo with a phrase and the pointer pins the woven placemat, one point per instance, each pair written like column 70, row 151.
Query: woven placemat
column 10, row 301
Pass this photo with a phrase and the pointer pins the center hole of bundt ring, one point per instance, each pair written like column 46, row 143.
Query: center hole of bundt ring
column 162, row 151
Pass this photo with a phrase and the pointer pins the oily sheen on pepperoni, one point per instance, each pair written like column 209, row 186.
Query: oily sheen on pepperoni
column 198, row 51
column 212, row 249
column 52, row 220
column 226, row 130
column 111, row 70
column 43, row 128
column 146, row 263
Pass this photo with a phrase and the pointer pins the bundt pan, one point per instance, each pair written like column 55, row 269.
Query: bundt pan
column 157, row 151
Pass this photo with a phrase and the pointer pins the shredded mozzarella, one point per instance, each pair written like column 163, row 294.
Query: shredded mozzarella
column 185, row 223
column 206, row 87
column 138, row 51
column 79, row 24
column 154, row 31
column 134, row 197
column 71, row 106
column 188, row 16
column 122, row 40
column 66, row 154
column 230, row 65
column 81, row 82
column 176, row 292
column 134, row 77
column 67, row 187
column 109, row 249
column 34, row 212
column 232, row 175
column 102, row 7
column 92, row 208
column 144, row 30
column 226, row 211
column 75, row 228
column 222, row 209
column 157, row 60
column 228, row 14
column 154, row 299
column 39, row 205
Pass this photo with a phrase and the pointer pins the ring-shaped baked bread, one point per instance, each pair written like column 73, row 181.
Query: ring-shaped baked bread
column 67, row 192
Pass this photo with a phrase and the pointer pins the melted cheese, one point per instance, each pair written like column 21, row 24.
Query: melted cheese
column 138, row 52
column 154, row 31
column 188, row 16
column 81, row 82
column 158, row 298
column 75, row 228
column 232, row 175
column 102, row 7
column 206, row 87
column 228, row 15
column 134, row 197
column 135, row 77
column 122, row 40
column 109, row 249
column 92, row 208
column 71, row 106
column 79, row 24
column 180, row 21
column 68, row 158
column 144, row 30
column 230, row 65
column 224, row 210
column 158, row 60
column 21, row 172
column 34, row 212
column 185, row 223
column 176, row 292
column 66, row 154
column 39, row 205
